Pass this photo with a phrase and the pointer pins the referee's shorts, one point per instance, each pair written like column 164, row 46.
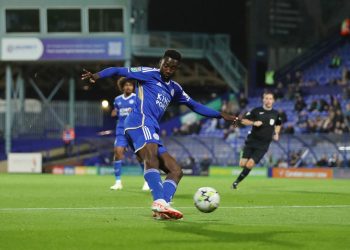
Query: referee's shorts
column 255, row 153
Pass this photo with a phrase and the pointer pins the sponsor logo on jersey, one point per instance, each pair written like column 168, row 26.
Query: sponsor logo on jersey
column 261, row 113
column 162, row 101
column 124, row 111
column 135, row 69
column 159, row 84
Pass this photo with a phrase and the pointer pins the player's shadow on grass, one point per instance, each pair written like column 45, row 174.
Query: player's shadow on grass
column 231, row 235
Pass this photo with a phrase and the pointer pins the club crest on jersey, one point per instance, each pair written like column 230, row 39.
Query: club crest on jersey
column 131, row 102
column 135, row 69
column 172, row 92
column 272, row 122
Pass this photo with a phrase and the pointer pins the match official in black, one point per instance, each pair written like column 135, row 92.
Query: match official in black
column 266, row 125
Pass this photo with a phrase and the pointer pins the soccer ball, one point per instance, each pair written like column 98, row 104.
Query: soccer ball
column 206, row 199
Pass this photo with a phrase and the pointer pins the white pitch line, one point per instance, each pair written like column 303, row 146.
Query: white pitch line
column 67, row 208
column 291, row 206
column 119, row 208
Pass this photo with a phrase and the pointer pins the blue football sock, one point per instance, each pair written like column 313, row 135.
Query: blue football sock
column 152, row 176
column 117, row 169
column 169, row 187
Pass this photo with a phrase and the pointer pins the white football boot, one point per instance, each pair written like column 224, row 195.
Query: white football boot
column 145, row 186
column 117, row 186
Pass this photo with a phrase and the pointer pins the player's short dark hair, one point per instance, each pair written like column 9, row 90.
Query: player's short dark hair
column 172, row 53
column 122, row 81
column 269, row 92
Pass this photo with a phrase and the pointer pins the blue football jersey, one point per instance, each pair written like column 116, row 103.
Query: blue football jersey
column 124, row 106
column 153, row 96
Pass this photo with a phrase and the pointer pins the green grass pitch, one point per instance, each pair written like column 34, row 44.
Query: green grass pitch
column 80, row 212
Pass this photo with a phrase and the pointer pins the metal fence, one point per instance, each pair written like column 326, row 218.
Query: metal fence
column 45, row 122
column 305, row 150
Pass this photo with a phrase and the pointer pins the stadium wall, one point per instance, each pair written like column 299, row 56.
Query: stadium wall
column 296, row 173
column 108, row 170
column 216, row 171
column 319, row 173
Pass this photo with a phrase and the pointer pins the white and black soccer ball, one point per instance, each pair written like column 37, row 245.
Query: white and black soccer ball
column 206, row 199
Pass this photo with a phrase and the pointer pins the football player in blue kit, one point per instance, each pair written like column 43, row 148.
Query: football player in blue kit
column 123, row 105
column 154, row 92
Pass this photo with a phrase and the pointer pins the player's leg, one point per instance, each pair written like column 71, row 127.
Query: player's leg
column 142, row 165
column 145, row 186
column 244, row 162
column 250, row 163
column 149, row 155
column 145, row 145
column 256, row 154
column 174, row 174
column 120, row 145
column 146, row 148
column 118, row 161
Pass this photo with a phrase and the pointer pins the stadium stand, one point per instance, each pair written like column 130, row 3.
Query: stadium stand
column 312, row 93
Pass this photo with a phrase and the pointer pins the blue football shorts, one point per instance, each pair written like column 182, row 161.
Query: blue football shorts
column 121, row 141
column 139, row 137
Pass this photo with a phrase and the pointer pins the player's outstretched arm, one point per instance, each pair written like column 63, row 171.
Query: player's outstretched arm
column 140, row 73
column 108, row 72
column 208, row 112
column 87, row 75
column 231, row 118
column 202, row 109
column 181, row 97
